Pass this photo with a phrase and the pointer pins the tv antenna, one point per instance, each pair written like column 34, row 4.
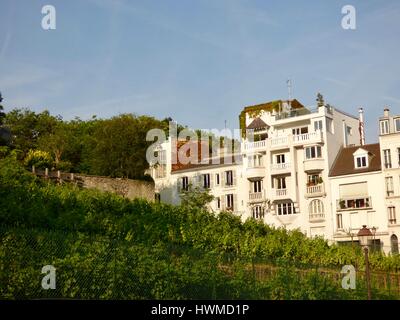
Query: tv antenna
column 289, row 87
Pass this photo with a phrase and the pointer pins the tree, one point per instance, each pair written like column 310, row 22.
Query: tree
column 320, row 100
column 26, row 127
column 196, row 198
column 57, row 141
column 2, row 114
column 119, row 146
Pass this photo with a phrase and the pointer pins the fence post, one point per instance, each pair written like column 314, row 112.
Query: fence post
column 46, row 172
column 33, row 170
column 72, row 176
column 59, row 176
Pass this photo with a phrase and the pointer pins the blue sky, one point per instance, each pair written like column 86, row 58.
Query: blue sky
column 198, row 61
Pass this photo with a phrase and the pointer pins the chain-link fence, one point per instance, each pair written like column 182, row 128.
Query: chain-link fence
column 88, row 266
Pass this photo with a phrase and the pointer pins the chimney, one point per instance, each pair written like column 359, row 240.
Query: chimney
column 344, row 134
column 386, row 112
column 361, row 127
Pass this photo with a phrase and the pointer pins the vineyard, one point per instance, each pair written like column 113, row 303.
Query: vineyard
column 104, row 246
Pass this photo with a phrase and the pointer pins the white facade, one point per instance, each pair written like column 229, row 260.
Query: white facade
column 283, row 178
column 357, row 200
column 389, row 139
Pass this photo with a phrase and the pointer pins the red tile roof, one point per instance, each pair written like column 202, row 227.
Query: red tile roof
column 344, row 162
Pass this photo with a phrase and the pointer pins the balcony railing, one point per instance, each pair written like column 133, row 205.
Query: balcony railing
column 314, row 217
column 255, row 145
column 256, row 196
column 279, row 141
column 315, row 189
column 285, row 140
column 307, row 137
column 281, row 192
column 280, row 166
column 354, row 203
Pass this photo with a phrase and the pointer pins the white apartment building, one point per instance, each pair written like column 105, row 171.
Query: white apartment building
column 293, row 150
column 301, row 168
column 389, row 139
column 357, row 193
column 287, row 151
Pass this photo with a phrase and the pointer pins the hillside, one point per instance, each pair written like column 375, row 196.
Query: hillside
column 105, row 246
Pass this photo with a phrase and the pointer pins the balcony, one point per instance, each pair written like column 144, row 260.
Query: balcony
column 312, row 137
column 255, row 172
column 285, row 141
column 359, row 203
column 256, row 197
column 317, row 164
column 317, row 217
column 280, row 194
column 279, row 142
column 257, row 145
column 317, row 190
column 278, row 168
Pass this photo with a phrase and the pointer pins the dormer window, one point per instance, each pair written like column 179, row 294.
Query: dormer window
column 361, row 158
column 361, row 162
column 384, row 126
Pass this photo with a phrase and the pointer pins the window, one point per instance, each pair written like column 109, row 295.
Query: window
column 354, row 203
column 384, row 126
column 397, row 124
column 157, row 197
column 387, row 159
column 229, row 202
column 285, row 208
column 389, row 186
column 349, row 131
column 392, row 215
column 257, row 186
column 398, row 156
column 318, row 125
column 255, row 161
column 160, row 171
column 218, row 200
column 394, row 243
column 280, row 183
column 229, row 178
column 316, row 207
column 217, row 179
column 329, row 125
column 258, row 212
column 298, row 131
column 339, row 221
column 313, row 152
column 313, row 179
column 361, row 162
column 185, row 183
column 280, row 158
column 206, row 181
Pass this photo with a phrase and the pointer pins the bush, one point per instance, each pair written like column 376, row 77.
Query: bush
column 39, row 159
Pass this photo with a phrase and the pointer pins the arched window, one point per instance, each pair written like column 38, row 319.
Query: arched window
column 394, row 243
column 258, row 212
column 316, row 207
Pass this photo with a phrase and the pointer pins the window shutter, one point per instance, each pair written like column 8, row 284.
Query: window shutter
column 234, row 177
column 223, row 202
column 222, row 177
column 179, row 184
column 211, row 180
column 235, row 206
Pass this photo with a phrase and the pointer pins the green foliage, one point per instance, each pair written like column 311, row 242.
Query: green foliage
column 105, row 246
column 196, row 198
column 39, row 159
